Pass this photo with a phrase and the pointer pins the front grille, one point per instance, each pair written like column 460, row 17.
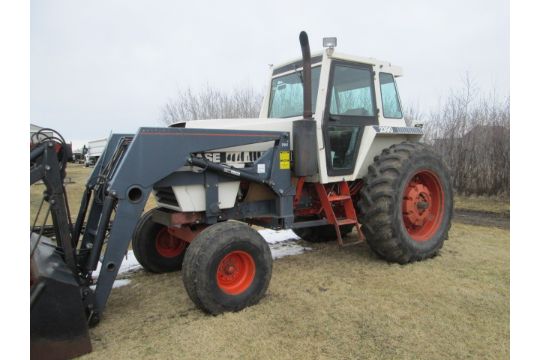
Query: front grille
column 166, row 196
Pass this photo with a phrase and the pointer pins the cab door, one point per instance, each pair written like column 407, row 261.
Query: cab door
column 350, row 106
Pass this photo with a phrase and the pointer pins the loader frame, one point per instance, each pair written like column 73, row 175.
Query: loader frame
column 119, row 186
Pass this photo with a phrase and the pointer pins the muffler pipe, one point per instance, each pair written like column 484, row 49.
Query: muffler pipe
column 306, row 59
column 304, row 131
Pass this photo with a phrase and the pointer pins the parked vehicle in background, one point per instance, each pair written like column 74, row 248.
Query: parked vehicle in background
column 94, row 150
column 78, row 156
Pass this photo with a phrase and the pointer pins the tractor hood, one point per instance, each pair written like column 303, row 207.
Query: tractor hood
column 240, row 124
column 260, row 124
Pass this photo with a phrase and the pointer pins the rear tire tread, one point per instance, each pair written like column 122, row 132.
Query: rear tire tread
column 379, row 198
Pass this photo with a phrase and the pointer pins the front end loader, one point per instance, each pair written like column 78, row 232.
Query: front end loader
column 330, row 153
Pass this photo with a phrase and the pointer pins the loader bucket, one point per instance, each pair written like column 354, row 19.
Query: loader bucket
column 58, row 325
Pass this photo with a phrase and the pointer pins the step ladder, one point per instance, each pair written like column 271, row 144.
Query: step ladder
column 338, row 199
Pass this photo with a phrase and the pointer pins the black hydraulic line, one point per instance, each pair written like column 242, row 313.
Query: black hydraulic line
column 37, row 151
column 108, row 206
column 77, row 228
column 44, row 132
column 226, row 170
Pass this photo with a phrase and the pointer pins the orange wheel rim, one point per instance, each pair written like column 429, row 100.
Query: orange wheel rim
column 169, row 246
column 423, row 205
column 235, row 272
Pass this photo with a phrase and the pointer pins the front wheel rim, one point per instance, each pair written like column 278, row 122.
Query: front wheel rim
column 235, row 272
column 423, row 205
column 169, row 246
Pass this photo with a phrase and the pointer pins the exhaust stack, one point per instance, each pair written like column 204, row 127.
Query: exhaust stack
column 304, row 131
column 306, row 59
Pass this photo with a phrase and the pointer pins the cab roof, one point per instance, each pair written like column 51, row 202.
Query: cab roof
column 317, row 57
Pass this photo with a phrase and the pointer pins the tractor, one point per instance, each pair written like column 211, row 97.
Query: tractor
column 329, row 155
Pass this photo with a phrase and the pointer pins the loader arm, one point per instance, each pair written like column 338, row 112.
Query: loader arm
column 132, row 165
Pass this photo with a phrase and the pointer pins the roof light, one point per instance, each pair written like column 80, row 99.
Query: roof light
column 329, row 42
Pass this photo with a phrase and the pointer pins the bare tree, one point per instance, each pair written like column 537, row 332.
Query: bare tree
column 471, row 131
column 411, row 113
column 212, row 103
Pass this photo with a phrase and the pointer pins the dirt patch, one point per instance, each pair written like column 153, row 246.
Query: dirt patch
column 499, row 220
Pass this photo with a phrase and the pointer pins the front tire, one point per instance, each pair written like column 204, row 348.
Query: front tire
column 154, row 248
column 227, row 267
column 406, row 203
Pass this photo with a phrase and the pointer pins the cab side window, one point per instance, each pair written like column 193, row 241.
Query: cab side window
column 389, row 96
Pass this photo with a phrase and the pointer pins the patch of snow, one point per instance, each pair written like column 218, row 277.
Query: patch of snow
column 116, row 284
column 129, row 264
column 282, row 243
column 275, row 236
column 120, row 283
column 287, row 248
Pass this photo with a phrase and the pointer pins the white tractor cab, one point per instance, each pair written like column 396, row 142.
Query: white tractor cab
column 354, row 101
column 355, row 105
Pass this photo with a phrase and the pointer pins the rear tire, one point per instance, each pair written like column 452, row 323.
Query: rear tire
column 406, row 204
column 154, row 248
column 227, row 267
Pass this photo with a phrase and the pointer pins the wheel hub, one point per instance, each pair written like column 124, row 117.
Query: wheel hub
column 169, row 246
column 417, row 202
column 235, row 272
column 422, row 205
column 230, row 270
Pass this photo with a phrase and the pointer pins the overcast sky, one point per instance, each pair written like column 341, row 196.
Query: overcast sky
column 102, row 66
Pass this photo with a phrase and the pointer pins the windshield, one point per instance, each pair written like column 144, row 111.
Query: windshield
column 287, row 94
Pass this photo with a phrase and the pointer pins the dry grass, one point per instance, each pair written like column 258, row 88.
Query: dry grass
column 483, row 203
column 77, row 175
column 331, row 303
column 328, row 303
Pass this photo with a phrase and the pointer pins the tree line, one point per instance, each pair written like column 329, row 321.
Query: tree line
column 212, row 103
column 470, row 129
